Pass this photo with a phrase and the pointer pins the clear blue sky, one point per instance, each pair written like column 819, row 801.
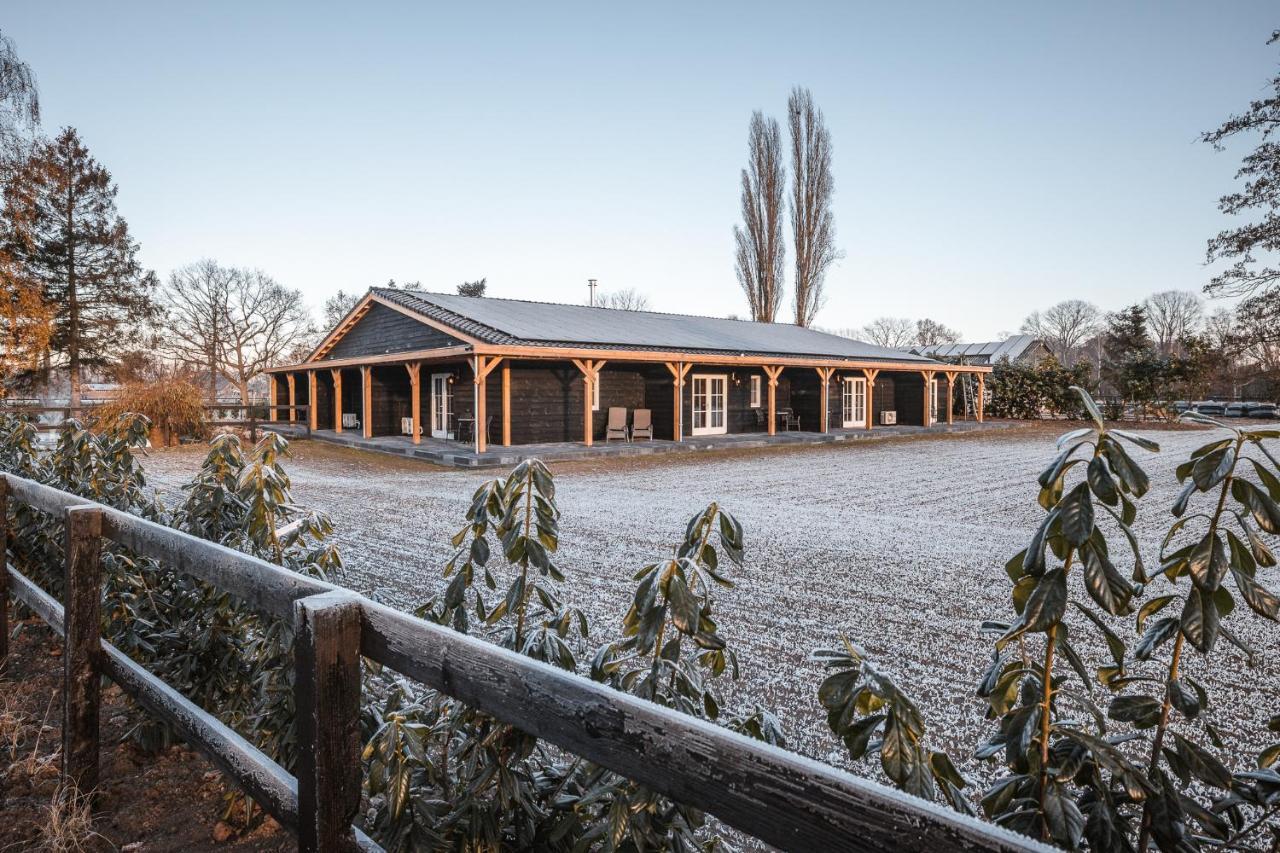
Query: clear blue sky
column 990, row 158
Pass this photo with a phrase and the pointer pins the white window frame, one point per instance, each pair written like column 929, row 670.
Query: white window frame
column 437, row 429
column 756, row 383
column 848, row 393
column 709, row 378
column 595, row 394
column 933, row 404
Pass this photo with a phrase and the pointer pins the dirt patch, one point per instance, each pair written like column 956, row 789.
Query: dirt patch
column 147, row 802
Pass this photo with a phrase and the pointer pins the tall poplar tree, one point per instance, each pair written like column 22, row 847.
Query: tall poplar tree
column 62, row 229
column 760, row 248
column 813, row 226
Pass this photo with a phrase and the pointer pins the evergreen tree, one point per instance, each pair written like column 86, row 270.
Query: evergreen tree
column 1127, row 351
column 61, row 228
column 473, row 288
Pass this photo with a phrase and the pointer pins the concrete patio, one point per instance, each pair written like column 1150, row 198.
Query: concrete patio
column 462, row 455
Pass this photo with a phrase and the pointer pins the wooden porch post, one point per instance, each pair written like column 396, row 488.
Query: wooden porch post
column 951, row 403
column 366, row 381
column 336, row 373
column 982, row 382
column 313, row 399
column 415, row 398
column 506, row 405
column 679, row 370
column 871, row 375
column 824, row 373
column 928, row 397
column 482, row 366
column 772, row 374
column 590, row 376
column 271, row 397
column 293, row 396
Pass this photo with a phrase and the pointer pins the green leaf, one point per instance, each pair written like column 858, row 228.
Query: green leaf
column 1213, row 468
column 1076, row 512
column 1264, row 510
column 898, row 755
column 1200, row 619
column 1105, row 584
column 1090, row 406
column 1141, row 441
column 1152, row 607
column 1208, row 563
column 1142, row 711
column 1047, row 601
column 684, row 606
column 1099, row 479
column 1260, row 599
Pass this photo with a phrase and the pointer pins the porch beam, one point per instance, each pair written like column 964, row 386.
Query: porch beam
column 506, row 405
column 336, row 373
column 824, row 373
column 272, row 413
column 415, row 398
column 928, row 397
column 679, row 370
column 982, row 383
column 366, row 381
column 772, row 372
column 482, row 366
column 590, row 376
column 313, row 398
column 951, row 403
column 870, row 374
column 293, row 396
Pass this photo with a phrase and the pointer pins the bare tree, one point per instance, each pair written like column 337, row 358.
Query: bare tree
column 813, row 226
column 627, row 299
column 267, row 323
column 197, row 303
column 19, row 105
column 1172, row 315
column 892, row 332
column 337, row 306
column 760, row 250
column 931, row 333
column 1064, row 327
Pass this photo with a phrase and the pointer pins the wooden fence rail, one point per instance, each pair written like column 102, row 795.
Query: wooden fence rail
column 782, row 798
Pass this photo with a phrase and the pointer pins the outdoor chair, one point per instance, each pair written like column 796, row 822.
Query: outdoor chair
column 642, row 424
column 790, row 420
column 350, row 420
column 488, row 429
column 617, row 427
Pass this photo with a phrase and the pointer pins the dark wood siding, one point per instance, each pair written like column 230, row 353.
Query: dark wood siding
column 740, row 415
column 352, row 393
column 392, row 395
column 324, row 399
column 908, row 398
column 385, row 330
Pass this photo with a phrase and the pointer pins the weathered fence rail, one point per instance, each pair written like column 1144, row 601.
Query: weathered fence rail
column 782, row 798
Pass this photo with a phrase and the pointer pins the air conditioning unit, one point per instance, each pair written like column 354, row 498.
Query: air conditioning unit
column 888, row 418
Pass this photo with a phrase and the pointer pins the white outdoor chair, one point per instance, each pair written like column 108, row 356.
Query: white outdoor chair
column 617, row 427
column 642, row 424
column 350, row 420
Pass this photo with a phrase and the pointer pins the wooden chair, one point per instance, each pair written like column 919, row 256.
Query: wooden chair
column 617, row 427
column 790, row 420
column 350, row 420
column 642, row 424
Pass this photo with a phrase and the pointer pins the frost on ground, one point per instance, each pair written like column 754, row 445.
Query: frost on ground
column 900, row 545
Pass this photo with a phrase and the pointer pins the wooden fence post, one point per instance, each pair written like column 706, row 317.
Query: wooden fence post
column 4, row 571
column 327, row 697
column 81, row 659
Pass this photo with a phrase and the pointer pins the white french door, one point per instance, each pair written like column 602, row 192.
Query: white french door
column 709, row 400
column 854, row 402
column 441, row 404
column 933, row 403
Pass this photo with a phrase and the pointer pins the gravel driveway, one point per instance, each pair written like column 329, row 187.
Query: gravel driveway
column 899, row 544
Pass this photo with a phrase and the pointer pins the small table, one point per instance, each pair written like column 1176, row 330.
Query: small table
column 467, row 427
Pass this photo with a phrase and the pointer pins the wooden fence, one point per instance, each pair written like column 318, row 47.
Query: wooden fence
column 780, row 797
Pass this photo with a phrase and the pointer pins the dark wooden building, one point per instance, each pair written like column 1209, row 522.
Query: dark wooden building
column 509, row 371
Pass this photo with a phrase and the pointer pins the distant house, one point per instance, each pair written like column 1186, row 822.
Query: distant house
column 423, row 365
column 1018, row 349
column 97, row 393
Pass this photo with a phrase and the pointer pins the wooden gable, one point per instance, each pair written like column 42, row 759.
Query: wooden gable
column 381, row 330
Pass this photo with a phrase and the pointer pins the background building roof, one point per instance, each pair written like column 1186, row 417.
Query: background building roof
column 992, row 351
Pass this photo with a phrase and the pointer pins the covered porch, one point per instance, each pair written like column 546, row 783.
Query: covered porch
column 463, row 455
column 489, row 403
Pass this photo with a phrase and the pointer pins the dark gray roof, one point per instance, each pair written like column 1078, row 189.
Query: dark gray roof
column 1011, row 348
column 522, row 323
